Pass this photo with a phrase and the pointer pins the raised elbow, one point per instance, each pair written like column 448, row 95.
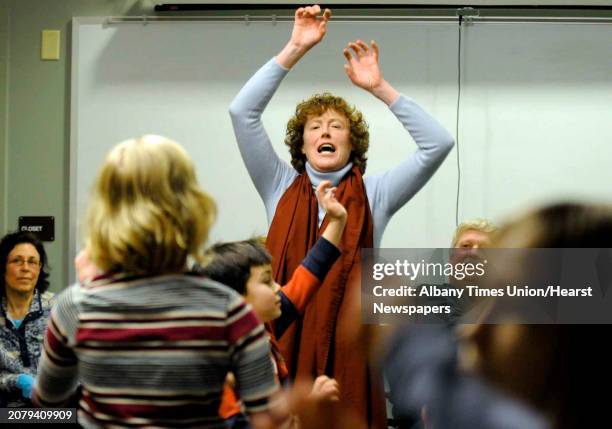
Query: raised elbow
column 447, row 142
column 241, row 113
column 444, row 144
column 450, row 143
column 235, row 110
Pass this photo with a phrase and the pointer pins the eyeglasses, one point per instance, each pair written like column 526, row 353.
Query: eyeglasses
column 21, row 262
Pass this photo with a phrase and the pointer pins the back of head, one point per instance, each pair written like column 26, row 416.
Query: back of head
column 569, row 225
column 147, row 213
column 569, row 353
column 230, row 263
column 8, row 243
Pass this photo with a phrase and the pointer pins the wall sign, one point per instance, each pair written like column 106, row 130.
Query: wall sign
column 41, row 226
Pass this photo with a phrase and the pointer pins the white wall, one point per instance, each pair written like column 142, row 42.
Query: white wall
column 535, row 111
column 422, row 2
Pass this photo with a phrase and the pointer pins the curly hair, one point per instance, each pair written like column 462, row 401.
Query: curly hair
column 315, row 106
column 8, row 243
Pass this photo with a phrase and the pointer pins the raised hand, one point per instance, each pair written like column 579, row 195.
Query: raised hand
column 336, row 213
column 364, row 71
column 309, row 28
column 326, row 194
column 362, row 68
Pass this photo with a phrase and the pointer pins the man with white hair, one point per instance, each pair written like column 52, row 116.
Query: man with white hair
column 474, row 233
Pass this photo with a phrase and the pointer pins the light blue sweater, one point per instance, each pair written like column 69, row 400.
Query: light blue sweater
column 387, row 192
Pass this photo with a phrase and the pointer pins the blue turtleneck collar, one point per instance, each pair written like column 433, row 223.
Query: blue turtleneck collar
column 317, row 177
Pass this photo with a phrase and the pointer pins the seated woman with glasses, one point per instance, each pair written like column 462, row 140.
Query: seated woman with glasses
column 25, row 308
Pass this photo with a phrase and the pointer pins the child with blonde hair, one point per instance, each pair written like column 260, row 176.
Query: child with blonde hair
column 149, row 342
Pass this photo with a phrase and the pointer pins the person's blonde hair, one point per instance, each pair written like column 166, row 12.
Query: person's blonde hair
column 147, row 213
column 481, row 225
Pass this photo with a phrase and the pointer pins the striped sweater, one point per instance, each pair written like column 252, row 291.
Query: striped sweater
column 153, row 351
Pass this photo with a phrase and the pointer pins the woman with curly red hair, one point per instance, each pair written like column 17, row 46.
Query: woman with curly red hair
column 328, row 140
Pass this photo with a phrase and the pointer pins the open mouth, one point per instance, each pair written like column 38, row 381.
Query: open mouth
column 326, row 147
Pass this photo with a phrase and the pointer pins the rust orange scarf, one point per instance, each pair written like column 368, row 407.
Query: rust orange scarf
column 326, row 340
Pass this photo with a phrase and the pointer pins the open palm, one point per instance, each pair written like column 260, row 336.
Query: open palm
column 362, row 67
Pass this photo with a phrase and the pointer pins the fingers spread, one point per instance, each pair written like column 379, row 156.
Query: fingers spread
column 361, row 49
column 356, row 49
column 347, row 54
column 375, row 47
column 363, row 46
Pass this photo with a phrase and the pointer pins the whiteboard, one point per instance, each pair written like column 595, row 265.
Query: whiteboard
column 577, row 3
column 535, row 115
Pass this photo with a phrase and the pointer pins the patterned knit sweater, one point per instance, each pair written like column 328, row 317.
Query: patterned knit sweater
column 153, row 351
column 20, row 347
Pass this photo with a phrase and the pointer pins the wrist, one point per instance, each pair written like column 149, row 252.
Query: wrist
column 385, row 92
column 339, row 220
column 291, row 54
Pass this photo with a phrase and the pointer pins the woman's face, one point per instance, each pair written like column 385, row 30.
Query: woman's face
column 327, row 143
column 22, row 268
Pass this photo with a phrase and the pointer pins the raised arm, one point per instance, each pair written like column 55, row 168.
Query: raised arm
column 310, row 274
column 363, row 70
column 309, row 28
column 391, row 190
column 270, row 175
